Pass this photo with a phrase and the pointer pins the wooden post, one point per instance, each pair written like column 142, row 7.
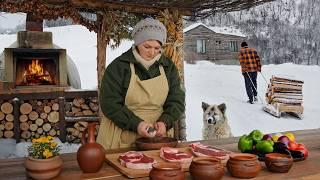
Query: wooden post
column 62, row 122
column 16, row 114
column 101, row 47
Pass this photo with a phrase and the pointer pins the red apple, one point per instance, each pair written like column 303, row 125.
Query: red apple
column 285, row 140
column 267, row 137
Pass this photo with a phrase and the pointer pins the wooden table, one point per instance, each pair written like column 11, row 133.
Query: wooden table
column 304, row 170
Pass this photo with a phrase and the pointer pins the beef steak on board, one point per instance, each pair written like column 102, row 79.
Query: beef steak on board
column 204, row 150
column 173, row 155
column 136, row 160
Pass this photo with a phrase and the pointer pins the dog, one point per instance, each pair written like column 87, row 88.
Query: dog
column 215, row 122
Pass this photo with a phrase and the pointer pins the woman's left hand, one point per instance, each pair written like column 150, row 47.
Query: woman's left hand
column 161, row 128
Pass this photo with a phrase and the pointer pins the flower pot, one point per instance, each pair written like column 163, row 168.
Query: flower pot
column 43, row 168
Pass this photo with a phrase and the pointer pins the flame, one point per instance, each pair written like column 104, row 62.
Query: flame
column 35, row 68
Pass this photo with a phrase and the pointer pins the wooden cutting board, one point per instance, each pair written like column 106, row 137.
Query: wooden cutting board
column 113, row 160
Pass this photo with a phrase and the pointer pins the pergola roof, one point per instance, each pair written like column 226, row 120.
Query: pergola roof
column 195, row 8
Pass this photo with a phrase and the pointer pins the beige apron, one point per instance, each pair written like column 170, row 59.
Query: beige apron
column 145, row 99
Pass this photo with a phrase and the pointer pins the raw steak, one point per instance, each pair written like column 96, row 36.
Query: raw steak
column 203, row 150
column 173, row 155
column 136, row 160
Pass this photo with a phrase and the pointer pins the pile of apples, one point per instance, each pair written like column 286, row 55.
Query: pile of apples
column 287, row 142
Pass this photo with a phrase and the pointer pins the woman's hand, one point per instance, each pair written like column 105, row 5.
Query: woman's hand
column 143, row 129
column 161, row 129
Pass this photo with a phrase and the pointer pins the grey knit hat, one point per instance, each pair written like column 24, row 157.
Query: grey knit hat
column 149, row 29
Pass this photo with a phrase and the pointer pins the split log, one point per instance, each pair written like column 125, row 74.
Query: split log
column 39, row 103
column 37, row 135
column 9, row 117
column 78, row 102
column 39, row 122
column 53, row 117
column 33, row 127
column 39, row 131
column 79, row 113
column 33, row 115
column 87, row 112
column 83, row 124
column 55, row 106
column 26, row 134
column 94, row 107
column 46, row 127
column 1, row 134
column 43, row 115
column 274, row 78
column 2, row 127
column 25, row 108
column 52, row 132
column 23, row 118
column 7, row 108
column 8, row 126
column 47, row 109
column 24, row 126
column 8, row 134
column 75, row 110
column 94, row 99
column 85, row 107
column 1, row 115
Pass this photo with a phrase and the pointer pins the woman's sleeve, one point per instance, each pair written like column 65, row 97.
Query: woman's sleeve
column 112, row 98
column 174, row 105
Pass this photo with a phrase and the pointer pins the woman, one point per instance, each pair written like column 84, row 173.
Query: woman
column 140, row 90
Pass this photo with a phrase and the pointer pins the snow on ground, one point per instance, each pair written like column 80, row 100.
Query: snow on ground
column 204, row 81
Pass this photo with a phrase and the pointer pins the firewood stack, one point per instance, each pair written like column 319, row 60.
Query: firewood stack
column 74, row 132
column 78, row 107
column 82, row 107
column 285, row 95
column 39, row 117
column 6, row 120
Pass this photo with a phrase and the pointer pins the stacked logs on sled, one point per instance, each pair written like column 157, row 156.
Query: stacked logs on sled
column 74, row 132
column 39, row 117
column 6, row 119
column 285, row 95
column 82, row 107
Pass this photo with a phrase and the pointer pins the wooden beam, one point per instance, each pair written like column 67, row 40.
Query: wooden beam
column 125, row 6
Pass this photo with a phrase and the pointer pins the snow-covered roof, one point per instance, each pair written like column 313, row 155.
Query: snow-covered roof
column 221, row 30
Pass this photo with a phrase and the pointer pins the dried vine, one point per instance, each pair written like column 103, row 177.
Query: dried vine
column 46, row 10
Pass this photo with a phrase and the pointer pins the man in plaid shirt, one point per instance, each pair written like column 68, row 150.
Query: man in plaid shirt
column 250, row 65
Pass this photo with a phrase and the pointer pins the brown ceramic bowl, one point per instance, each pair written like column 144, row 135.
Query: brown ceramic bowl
column 244, row 165
column 155, row 143
column 166, row 170
column 206, row 168
column 277, row 162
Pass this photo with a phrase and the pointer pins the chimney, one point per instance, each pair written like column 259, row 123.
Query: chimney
column 34, row 23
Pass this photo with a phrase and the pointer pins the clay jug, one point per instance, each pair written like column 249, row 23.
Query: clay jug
column 90, row 155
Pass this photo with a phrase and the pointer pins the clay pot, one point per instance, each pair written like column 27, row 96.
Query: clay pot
column 244, row 165
column 206, row 168
column 90, row 155
column 43, row 168
column 277, row 162
column 166, row 170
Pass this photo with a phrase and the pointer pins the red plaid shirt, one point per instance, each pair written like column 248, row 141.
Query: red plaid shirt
column 249, row 60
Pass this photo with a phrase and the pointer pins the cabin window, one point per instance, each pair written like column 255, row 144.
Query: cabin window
column 201, row 46
column 233, row 46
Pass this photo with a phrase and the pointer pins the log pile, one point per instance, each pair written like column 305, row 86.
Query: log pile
column 39, row 117
column 82, row 107
column 285, row 95
column 75, row 131
column 6, row 119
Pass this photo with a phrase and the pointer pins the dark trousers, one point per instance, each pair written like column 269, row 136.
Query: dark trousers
column 251, row 90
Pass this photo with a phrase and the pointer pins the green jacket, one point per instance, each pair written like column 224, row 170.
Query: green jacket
column 115, row 83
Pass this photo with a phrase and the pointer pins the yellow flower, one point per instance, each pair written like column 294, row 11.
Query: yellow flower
column 47, row 154
column 53, row 144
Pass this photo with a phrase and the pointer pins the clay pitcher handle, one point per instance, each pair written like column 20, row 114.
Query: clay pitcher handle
column 83, row 138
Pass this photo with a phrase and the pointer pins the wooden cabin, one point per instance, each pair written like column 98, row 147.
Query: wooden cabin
column 217, row 44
